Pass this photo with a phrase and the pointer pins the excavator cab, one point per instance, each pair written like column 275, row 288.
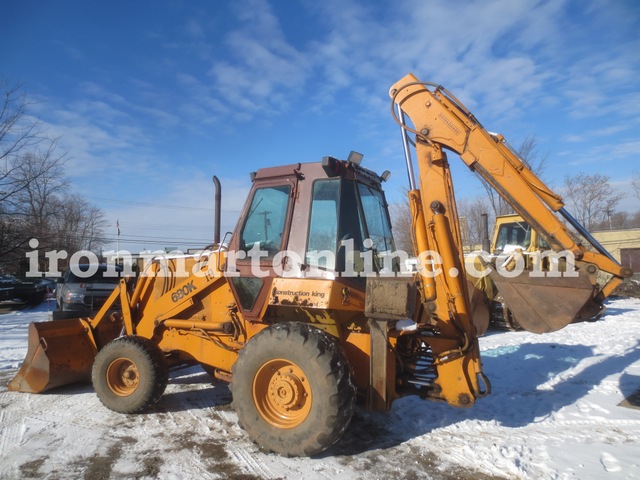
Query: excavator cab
column 307, row 224
column 511, row 231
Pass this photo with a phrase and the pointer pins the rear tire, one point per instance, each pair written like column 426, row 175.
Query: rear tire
column 130, row 374
column 293, row 389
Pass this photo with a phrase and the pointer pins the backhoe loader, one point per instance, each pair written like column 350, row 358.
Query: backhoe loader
column 303, row 310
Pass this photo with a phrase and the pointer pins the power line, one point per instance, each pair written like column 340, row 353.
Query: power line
column 149, row 238
column 160, row 205
column 164, row 227
column 160, row 242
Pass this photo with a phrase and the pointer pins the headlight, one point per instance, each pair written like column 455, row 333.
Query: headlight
column 72, row 297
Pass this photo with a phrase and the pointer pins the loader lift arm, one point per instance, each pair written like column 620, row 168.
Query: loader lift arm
column 440, row 122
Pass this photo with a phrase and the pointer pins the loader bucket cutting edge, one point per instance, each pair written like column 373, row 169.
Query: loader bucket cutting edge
column 60, row 352
column 545, row 304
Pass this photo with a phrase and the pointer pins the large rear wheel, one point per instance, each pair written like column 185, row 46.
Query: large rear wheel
column 293, row 389
column 130, row 374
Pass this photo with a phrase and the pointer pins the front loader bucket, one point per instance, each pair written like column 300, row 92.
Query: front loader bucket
column 60, row 352
column 545, row 304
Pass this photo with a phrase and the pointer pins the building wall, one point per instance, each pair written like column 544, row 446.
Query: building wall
column 614, row 240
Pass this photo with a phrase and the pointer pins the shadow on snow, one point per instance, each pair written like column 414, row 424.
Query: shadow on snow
column 529, row 382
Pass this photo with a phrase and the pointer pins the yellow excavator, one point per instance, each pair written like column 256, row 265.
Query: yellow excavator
column 514, row 243
column 304, row 310
column 514, row 240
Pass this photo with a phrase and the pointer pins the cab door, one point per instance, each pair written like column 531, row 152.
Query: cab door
column 263, row 232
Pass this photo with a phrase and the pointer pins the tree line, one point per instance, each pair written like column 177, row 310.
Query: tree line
column 36, row 200
column 590, row 198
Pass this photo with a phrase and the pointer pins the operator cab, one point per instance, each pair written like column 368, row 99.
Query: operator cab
column 513, row 232
column 349, row 226
column 318, row 220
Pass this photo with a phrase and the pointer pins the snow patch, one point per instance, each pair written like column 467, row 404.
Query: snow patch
column 553, row 413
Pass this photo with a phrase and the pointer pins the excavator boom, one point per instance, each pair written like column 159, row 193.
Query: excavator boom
column 440, row 121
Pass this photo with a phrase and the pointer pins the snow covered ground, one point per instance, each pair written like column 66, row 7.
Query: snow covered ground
column 554, row 413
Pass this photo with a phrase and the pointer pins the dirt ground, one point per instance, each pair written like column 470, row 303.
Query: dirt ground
column 629, row 288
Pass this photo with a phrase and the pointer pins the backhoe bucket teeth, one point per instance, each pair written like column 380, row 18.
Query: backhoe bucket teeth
column 60, row 352
column 544, row 304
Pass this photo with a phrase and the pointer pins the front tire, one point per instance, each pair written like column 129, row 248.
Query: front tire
column 130, row 374
column 293, row 389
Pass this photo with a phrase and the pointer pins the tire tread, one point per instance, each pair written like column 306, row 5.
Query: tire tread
column 153, row 387
column 322, row 349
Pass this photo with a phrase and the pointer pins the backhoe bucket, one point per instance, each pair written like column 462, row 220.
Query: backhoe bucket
column 60, row 352
column 546, row 304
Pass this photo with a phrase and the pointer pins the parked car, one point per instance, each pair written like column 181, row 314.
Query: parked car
column 16, row 294
column 82, row 296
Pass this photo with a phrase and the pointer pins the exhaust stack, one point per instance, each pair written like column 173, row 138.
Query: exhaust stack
column 218, row 202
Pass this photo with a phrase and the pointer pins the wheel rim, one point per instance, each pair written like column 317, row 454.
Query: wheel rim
column 123, row 377
column 282, row 394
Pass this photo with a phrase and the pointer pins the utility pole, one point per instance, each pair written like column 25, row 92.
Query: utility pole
column 267, row 222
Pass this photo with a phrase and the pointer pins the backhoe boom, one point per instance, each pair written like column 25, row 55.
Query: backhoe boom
column 440, row 122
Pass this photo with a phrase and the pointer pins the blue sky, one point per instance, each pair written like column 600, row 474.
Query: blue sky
column 151, row 99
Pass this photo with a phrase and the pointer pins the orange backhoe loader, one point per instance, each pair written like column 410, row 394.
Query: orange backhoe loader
column 304, row 310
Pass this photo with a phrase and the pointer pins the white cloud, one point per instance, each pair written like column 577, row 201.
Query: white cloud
column 263, row 70
column 606, row 156
column 501, row 55
column 505, row 60
column 605, row 131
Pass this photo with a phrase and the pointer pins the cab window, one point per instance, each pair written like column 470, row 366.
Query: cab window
column 265, row 222
column 513, row 234
column 344, row 214
column 323, row 225
column 376, row 218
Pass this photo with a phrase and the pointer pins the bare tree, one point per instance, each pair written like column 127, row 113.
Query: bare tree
column 41, row 178
column 402, row 228
column 28, row 165
column 619, row 220
column 528, row 153
column 470, row 211
column 79, row 225
column 591, row 198
column 635, row 183
column 33, row 190
column 19, row 133
column 472, row 227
